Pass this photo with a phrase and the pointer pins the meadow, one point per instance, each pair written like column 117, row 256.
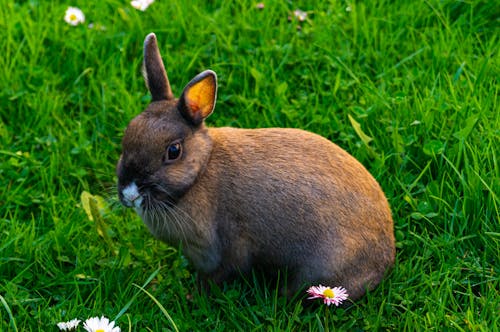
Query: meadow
column 410, row 88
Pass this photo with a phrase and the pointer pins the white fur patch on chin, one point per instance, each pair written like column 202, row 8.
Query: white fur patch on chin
column 131, row 196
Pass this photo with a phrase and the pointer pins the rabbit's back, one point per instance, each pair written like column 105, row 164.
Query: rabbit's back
column 290, row 198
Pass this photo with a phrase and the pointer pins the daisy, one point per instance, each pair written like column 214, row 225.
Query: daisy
column 141, row 4
column 68, row 326
column 335, row 295
column 96, row 324
column 74, row 16
column 300, row 15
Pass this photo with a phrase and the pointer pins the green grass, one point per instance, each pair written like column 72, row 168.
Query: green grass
column 419, row 77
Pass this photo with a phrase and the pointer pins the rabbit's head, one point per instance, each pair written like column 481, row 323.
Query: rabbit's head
column 165, row 148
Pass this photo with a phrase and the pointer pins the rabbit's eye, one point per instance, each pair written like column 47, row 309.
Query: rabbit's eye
column 173, row 151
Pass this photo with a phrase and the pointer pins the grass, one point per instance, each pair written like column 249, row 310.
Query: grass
column 410, row 88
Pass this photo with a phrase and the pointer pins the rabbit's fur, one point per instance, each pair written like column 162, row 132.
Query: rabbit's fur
column 238, row 198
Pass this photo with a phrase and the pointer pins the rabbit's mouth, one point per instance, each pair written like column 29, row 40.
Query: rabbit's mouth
column 130, row 196
column 146, row 197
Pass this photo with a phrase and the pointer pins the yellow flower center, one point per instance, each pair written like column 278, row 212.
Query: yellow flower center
column 99, row 330
column 329, row 293
column 72, row 17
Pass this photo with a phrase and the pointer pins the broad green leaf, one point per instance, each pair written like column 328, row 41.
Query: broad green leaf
column 101, row 226
column 433, row 147
column 463, row 133
column 357, row 128
column 101, row 204
column 281, row 89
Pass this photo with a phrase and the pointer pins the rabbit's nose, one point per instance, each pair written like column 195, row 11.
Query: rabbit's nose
column 130, row 196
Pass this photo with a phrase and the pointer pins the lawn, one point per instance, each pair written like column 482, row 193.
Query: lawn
column 410, row 88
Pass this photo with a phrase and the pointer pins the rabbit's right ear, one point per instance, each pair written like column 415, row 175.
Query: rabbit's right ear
column 154, row 71
column 198, row 98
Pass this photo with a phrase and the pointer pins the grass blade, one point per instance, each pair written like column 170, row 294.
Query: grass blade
column 159, row 306
column 125, row 308
column 7, row 308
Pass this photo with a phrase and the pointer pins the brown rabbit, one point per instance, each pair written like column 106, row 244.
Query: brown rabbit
column 238, row 198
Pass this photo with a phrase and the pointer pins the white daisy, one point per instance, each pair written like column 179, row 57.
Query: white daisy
column 68, row 326
column 74, row 16
column 141, row 4
column 300, row 15
column 96, row 324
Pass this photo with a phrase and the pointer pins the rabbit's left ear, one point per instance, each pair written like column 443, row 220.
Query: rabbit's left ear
column 154, row 71
column 198, row 98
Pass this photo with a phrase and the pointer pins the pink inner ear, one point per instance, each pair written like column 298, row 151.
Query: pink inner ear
column 193, row 106
column 199, row 97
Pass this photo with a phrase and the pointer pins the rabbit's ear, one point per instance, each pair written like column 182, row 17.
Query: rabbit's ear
column 154, row 71
column 198, row 98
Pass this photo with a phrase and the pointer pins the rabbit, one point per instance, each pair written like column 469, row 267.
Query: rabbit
column 234, row 199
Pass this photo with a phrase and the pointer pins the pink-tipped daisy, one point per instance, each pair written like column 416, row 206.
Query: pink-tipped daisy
column 300, row 15
column 335, row 295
